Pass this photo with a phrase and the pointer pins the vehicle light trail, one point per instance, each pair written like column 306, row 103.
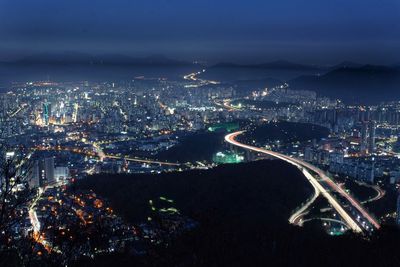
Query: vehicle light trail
column 295, row 218
column 98, row 152
column 380, row 193
column 230, row 138
column 144, row 160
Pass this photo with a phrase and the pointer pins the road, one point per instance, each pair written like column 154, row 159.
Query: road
column 226, row 105
column 194, row 77
column 326, row 220
column 99, row 152
column 23, row 106
column 380, row 193
column 37, row 235
column 324, row 184
column 296, row 218
column 143, row 160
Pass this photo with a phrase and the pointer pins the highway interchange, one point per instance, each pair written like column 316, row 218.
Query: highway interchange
column 350, row 210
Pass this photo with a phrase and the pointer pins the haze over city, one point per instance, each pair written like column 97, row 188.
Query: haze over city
column 312, row 32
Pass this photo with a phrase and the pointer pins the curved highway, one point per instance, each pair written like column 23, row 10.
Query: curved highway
column 324, row 184
column 380, row 193
column 296, row 218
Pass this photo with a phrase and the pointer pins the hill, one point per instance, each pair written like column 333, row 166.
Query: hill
column 242, row 211
column 359, row 85
column 279, row 64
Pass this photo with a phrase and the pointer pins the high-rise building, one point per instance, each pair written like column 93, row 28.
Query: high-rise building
column 46, row 113
column 364, row 138
column 75, row 113
column 34, row 175
column 49, row 169
column 371, row 137
column 308, row 154
column 367, row 144
column 44, row 170
column 61, row 173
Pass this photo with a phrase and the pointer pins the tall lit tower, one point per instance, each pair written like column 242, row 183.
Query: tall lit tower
column 46, row 113
column 364, row 138
column 75, row 113
column 371, row 137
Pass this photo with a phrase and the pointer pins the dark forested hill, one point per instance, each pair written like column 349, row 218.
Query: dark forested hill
column 362, row 85
column 242, row 212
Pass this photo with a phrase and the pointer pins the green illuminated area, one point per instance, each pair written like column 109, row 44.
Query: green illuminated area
column 336, row 232
column 228, row 126
column 162, row 204
column 227, row 157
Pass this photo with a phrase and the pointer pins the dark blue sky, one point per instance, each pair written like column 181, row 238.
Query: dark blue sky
column 309, row 31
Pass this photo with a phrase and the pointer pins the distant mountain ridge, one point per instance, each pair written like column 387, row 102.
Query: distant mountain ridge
column 349, row 81
column 278, row 64
column 288, row 65
column 88, row 59
column 367, row 84
column 346, row 64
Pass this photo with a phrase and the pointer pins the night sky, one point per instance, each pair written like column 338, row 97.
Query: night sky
column 306, row 31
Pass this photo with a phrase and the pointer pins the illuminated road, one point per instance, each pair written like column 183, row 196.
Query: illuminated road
column 22, row 107
column 37, row 235
column 380, row 193
column 326, row 220
column 226, row 105
column 296, row 217
column 143, row 160
column 352, row 223
column 193, row 77
column 102, row 155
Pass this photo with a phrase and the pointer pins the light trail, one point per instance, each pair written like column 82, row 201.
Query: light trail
column 295, row 218
column 380, row 193
column 103, row 156
column 226, row 105
column 37, row 235
column 143, row 160
column 230, row 138
column 22, row 107
column 193, row 77
column 326, row 220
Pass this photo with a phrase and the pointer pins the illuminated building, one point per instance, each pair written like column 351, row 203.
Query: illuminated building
column 46, row 113
column 61, row 173
column 227, row 157
column 367, row 145
column 42, row 172
column 34, row 175
column 364, row 138
column 371, row 137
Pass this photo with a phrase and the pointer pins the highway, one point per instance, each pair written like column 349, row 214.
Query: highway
column 296, row 218
column 37, row 235
column 99, row 152
column 226, row 105
column 143, row 160
column 193, row 77
column 380, row 193
column 324, row 184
